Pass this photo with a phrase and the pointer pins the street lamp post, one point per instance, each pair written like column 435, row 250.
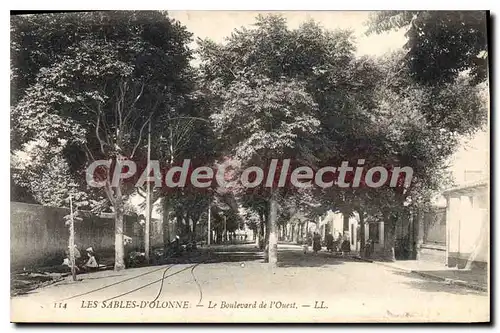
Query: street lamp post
column 148, row 202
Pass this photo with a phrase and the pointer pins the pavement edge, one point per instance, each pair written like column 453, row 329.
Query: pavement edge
column 457, row 282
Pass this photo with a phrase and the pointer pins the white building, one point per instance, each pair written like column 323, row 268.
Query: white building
column 467, row 225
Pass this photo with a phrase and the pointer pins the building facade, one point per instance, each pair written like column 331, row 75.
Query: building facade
column 467, row 225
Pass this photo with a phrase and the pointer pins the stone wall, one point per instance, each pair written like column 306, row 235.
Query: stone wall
column 39, row 236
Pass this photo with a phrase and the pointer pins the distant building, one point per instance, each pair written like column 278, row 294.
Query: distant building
column 467, row 225
column 333, row 223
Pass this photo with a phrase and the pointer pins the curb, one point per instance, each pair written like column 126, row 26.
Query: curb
column 456, row 282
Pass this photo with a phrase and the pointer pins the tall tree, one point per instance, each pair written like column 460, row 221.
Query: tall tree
column 262, row 114
column 287, row 93
column 418, row 126
column 98, row 88
column 184, row 133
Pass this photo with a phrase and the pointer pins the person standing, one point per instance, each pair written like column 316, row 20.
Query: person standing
column 346, row 245
column 316, row 242
column 329, row 242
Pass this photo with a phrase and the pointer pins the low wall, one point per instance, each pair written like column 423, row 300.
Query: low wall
column 433, row 253
column 39, row 236
column 435, row 227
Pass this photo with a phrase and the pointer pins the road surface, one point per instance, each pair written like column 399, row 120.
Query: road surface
column 233, row 284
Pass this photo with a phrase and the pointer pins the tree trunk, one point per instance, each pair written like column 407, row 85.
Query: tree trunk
column 266, row 225
column 178, row 226
column 262, row 233
column 187, row 227
column 266, row 239
column 193, row 237
column 346, row 222
column 119, row 245
column 362, row 232
column 273, row 237
column 419, row 233
column 165, row 221
column 147, row 229
column 256, row 237
column 390, row 237
column 72, row 240
column 266, row 232
column 411, row 236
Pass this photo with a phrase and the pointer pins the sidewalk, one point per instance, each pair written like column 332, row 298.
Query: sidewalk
column 474, row 279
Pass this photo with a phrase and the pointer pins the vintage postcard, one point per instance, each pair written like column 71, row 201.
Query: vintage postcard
column 250, row 167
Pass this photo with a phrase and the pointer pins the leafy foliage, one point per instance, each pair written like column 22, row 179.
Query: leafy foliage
column 93, row 97
column 87, row 85
column 441, row 44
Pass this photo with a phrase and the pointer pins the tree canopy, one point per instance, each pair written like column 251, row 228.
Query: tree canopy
column 93, row 93
column 440, row 44
column 86, row 86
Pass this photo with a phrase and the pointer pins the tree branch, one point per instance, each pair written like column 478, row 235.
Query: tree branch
column 108, row 190
column 131, row 107
column 138, row 190
column 97, row 128
column 89, row 152
column 140, row 135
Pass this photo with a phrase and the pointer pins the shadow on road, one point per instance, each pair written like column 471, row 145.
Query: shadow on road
column 218, row 254
column 288, row 256
column 479, row 277
column 430, row 285
column 291, row 258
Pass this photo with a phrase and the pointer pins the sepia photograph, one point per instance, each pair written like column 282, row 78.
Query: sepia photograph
column 188, row 166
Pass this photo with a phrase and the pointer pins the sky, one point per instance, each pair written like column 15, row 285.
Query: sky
column 217, row 25
column 471, row 162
